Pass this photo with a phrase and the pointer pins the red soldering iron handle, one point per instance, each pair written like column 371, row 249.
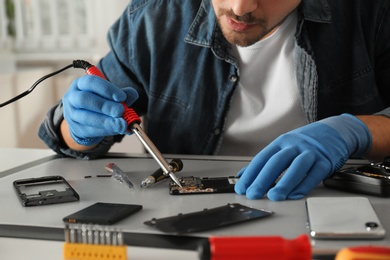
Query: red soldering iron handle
column 92, row 70
column 129, row 114
column 256, row 247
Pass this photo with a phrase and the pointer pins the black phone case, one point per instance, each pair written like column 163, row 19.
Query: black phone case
column 102, row 213
column 208, row 219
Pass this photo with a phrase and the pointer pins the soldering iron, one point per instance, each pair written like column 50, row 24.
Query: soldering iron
column 133, row 124
column 131, row 117
column 158, row 175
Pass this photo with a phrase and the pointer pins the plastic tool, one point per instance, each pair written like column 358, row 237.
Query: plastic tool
column 256, row 247
column 364, row 252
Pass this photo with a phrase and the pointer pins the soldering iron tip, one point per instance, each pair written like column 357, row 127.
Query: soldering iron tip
column 175, row 179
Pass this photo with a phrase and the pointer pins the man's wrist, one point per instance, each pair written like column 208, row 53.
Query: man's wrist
column 354, row 131
column 69, row 141
column 379, row 126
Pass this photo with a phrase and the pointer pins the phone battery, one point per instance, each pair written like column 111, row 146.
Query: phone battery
column 102, row 213
column 203, row 185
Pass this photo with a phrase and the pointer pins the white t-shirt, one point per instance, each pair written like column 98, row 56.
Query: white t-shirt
column 266, row 102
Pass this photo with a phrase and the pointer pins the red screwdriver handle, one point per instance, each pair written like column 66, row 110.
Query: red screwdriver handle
column 256, row 247
column 129, row 114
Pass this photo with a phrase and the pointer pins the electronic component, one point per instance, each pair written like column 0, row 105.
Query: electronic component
column 373, row 179
column 103, row 213
column 203, row 185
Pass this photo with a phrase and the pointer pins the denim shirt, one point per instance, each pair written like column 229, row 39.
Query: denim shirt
column 174, row 54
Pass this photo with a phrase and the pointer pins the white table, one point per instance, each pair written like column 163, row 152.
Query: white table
column 11, row 157
column 289, row 220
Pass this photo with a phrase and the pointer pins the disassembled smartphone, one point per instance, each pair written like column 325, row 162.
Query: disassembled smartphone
column 371, row 179
column 208, row 218
column 203, row 185
column 44, row 191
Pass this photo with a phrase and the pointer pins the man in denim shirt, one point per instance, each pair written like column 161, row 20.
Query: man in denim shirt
column 317, row 93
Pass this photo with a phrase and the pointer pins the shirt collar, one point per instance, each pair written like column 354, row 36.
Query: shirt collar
column 202, row 28
column 316, row 10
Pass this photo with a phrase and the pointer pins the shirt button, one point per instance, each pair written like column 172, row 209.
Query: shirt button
column 233, row 78
column 217, row 131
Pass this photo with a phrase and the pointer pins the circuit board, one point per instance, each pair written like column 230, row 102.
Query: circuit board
column 203, row 185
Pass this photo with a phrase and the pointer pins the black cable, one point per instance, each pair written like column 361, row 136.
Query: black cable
column 76, row 64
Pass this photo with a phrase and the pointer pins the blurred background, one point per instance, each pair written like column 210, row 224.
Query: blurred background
column 38, row 37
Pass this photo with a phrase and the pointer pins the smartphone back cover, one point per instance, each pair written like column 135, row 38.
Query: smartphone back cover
column 207, row 219
column 343, row 218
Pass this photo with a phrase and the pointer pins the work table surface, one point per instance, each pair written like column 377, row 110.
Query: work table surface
column 45, row 222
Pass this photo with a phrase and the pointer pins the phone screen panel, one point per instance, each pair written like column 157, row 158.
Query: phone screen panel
column 343, row 218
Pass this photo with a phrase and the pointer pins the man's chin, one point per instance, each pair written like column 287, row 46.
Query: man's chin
column 241, row 40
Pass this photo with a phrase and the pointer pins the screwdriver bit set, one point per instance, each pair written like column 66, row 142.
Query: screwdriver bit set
column 93, row 242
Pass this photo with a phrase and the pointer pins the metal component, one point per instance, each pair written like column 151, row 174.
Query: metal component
column 72, row 235
column 152, row 149
column 90, row 235
column 67, row 233
column 114, row 239
column 119, row 174
column 84, row 239
column 96, row 234
column 102, row 237
column 120, row 238
column 148, row 181
column 376, row 175
column 107, row 236
column 158, row 175
column 93, row 234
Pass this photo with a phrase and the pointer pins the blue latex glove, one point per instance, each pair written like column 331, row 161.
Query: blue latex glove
column 307, row 155
column 93, row 110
